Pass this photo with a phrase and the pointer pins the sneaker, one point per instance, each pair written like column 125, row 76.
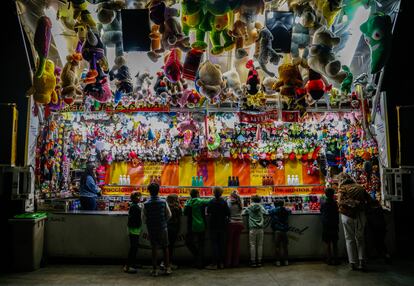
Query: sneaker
column 253, row 264
column 154, row 272
column 162, row 266
column 259, row 263
column 277, row 263
column 168, row 271
column 361, row 266
column 285, row 263
column 353, row 266
column 211, row 267
column 130, row 270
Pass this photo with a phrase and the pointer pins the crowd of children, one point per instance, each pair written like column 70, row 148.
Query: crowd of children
column 223, row 219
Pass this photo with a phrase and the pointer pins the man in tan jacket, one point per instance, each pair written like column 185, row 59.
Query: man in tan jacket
column 352, row 202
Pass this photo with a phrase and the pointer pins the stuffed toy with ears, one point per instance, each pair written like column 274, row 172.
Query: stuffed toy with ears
column 233, row 88
column 289, row 81
column 42, row 39
column 253, row 81
column 58, row 87
column 192, row 15
column 71, row 90
column 43, row 89
column 347, row 82
column 143, row 81
column 109, row 16
column 316, row 87
column 377, row 33
column 209, row 81
column 265, row 52
column 120, row 73
column 246, row 28
column 82, row 16
column 173, row 68
column 322, row 58
column 327, row 10
column 93, row 52
column 217, row 21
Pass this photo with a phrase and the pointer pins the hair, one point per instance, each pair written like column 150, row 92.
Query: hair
column 256, row 199
column 153, row 189
column 135, row 195
column 237, row 200
column 88, row 172
column 329, row 192
column 173, row 201
column 344, row 179
column 194, row 193
column 217, row 192
column 279, row 203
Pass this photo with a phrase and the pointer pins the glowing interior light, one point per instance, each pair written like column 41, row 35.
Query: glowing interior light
column 346, row 54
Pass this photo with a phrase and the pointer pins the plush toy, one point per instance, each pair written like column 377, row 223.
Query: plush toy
column 93, row 52
column 82, row 16
column 316, row 87
column 209, row 81
column 192, row 63
column 143, row 81
column 347, row 82
column 170, row 29
column 321, row 57
column 266, row 52
column 233, row 88
column 173, row 68
column 42, row 38
column 377, row 33
column 217, row 21
column 253, row 81
column 100, row 89
column 289, row 80
column 43, row 88
column 155, row 37
column 246, row 28
column 58, row 88
column 109, row 16
column 327, row 10
column 120, row 73
column 70, row 82
column 136, row 4
column 192, row 15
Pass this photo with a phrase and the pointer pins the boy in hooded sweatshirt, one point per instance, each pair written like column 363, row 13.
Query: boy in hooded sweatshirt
column 255, row 213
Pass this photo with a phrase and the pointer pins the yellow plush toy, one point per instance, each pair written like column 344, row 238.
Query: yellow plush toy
column 328, row 9
column 43, row 88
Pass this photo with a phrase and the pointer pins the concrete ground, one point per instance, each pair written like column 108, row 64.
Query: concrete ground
column 297, row 273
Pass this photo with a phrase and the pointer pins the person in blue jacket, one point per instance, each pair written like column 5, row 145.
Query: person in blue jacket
column 89, row 191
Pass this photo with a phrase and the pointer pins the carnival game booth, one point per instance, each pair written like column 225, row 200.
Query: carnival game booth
column 267, row 97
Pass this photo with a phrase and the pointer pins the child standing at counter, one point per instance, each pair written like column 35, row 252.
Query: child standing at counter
column 174, row 223
column 279, row 220
column 330, row 226
column 134, row 230
column 255, row 213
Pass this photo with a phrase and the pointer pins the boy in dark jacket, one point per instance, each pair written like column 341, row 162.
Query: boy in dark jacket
column 219, row 214
column 134, row 230
column 279, row 221
column 330, row 226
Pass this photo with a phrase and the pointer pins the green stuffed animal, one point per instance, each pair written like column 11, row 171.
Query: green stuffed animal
column 219, row 14
column 377, row 33
column 191, row 17
column 43, row 89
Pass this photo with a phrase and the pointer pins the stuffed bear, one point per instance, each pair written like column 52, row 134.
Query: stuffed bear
column 70, row 82
column 289, row 80
column 192, row 15
column 321, row 57
column 43, row 88
column 233, row 88
column 109, row 16
column 209, row 81
column 246, row 28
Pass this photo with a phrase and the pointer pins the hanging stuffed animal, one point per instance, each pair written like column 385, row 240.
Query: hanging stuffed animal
column 265, row 52
column 233, row 89
column 316, row 87
column 377, row 33
column 170, row 29
column 93, row 52
column 209, row 81
column 327, row 10
column 321, row 57
column 71, row 90
column 347, row 82
column 217, row 21
column 43, row 89
column 42, row 39
column 173, row 68
column 246, row 28
column 253, row 80
column 82, row 16
column 109, row 16
column 120, row 73
column 192, row 63
column 289, row 81
column 58, row 87
column 143, row 81
column 192, row 15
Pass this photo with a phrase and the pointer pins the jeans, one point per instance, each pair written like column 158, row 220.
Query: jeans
column 195, row 243
column 281, row 245
column 218, row 242
column 354, row 230
column 256, row 244
column 133, row 248
column 172, row 238
column 234, row 230
column 88, row 203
